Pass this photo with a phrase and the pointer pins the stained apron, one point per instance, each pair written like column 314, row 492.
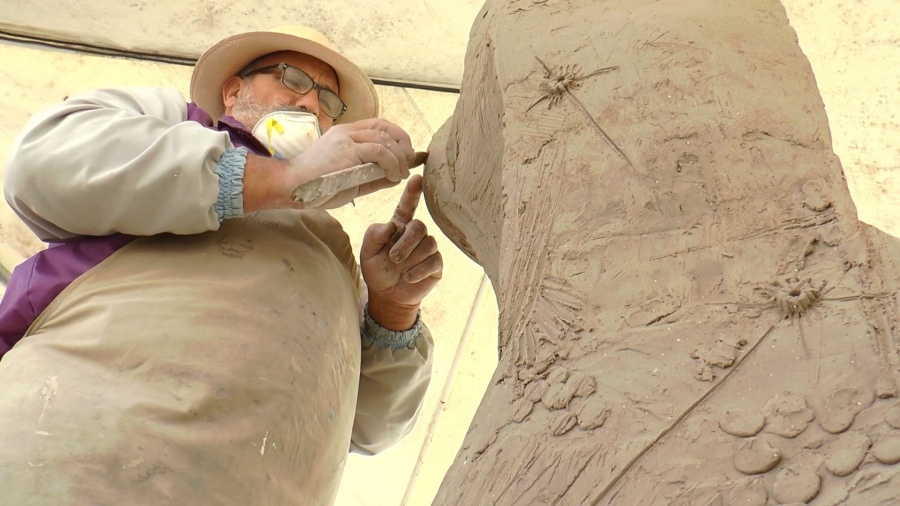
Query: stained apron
column 219, row 368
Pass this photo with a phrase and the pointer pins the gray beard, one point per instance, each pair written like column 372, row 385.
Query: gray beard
column 248, row 110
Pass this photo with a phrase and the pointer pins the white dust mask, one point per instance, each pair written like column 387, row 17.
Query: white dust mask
column 287, row 133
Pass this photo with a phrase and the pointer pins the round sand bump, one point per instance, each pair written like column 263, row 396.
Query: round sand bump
column 787, row 415
column 846, row 454
column 557, row 375
column 536, row 391
column 842, row 406
column 749, row 493
column 555, row 397
column 523, row 409
column 581, row 385
column 593, row 415
column 887, row 450
column 893, row 417
column 795, row 484
column 561, row 422
column 741, row 423
column 756, row 456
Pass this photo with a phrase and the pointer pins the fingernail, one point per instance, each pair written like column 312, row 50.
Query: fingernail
column 395, row 256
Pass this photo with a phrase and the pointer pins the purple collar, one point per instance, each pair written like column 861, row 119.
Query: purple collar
column 239, row 134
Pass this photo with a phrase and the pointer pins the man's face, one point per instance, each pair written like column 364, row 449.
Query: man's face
column 248, row 100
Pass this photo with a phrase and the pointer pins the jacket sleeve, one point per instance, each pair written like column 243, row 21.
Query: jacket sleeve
column 115, row 160
column 392, row 385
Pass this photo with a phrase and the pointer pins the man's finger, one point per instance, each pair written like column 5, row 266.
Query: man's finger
column 375, row 238
column 413, row 233
column 398, row 234
column 431, row 269
column 427, row 246
column 381, row 155
column 395, row 132
column 409, row 201
column 382, row 137
column 362, row 135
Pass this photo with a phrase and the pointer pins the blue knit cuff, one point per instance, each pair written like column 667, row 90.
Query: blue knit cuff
column 387, row 338
column 230, row 169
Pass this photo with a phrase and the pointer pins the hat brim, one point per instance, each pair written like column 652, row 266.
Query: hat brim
column 229, row 56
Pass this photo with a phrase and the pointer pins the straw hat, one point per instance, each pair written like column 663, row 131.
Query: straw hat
column 230, row 55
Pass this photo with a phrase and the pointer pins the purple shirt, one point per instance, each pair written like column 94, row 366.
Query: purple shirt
column 40, row 279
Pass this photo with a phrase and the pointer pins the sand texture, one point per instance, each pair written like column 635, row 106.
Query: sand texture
column 690, row 310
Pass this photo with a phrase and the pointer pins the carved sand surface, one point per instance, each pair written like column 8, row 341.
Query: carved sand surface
column 690, row 312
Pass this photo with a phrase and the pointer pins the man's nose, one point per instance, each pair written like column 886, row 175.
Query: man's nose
column 309, row 101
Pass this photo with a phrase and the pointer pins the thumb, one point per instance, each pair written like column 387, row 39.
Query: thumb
column 375, row 238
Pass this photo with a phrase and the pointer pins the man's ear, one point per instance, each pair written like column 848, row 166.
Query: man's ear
column 230, row 89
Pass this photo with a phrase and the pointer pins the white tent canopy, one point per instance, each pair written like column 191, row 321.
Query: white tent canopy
column 407, row 40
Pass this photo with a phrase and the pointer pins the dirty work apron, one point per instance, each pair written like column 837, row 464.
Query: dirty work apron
column 219, row 368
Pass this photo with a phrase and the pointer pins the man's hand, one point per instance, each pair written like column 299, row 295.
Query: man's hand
column 400, row 263
column 344, row 146
column 268, row 183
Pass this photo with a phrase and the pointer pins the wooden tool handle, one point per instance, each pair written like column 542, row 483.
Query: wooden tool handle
column 336, row 182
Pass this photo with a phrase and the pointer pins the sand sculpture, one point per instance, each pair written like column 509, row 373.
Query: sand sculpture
column 690, row 312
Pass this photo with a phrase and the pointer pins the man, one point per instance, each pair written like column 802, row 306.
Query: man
column 189, row 337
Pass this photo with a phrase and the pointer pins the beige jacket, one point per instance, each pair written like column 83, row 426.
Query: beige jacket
column 217, row 363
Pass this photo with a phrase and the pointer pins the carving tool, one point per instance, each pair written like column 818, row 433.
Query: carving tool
column 336, row 182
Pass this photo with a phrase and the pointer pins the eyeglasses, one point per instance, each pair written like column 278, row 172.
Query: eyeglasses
column 299, row 81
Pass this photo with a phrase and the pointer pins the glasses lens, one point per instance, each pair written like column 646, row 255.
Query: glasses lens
column 297, row 80
column 300, row 82
column 330, row 103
